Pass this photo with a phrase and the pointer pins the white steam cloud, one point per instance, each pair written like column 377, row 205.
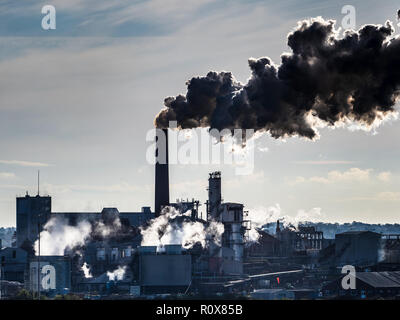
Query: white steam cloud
column 58, row 236
column 260, row 216
column 86, row 271
column 166, row 229
column 117, row 274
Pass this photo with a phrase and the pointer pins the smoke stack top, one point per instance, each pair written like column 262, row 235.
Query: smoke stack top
column 326, row 80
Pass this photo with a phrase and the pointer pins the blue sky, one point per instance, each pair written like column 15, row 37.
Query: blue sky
column 77, row 102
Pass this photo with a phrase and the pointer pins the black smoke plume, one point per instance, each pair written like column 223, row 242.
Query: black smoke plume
column 326, row 80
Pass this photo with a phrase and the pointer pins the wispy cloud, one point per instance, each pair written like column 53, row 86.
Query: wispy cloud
column 351, row 175
column 7, row 175
column 12, row 186
column 122, row 187
column 323, row 162
column 385, row 176
column 24, row 163
column 385, row 196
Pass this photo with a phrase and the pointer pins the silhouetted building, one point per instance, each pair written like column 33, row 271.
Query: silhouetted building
column 32, row 214
column 357, row 248
column 170, row 271
column 367, row 285
column 267, row 245
column 13, row 262
column 61, row 273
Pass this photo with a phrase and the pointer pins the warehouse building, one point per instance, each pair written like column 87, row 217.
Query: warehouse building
column 13, row 264
column 367, row 285
column 58, row 267
column 357, row 248
column 34, row 212
column 164, row 272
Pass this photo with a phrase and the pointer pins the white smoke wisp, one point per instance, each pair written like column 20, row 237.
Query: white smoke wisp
column 86, row 271
column 260, row 216
column 313, row 215
column 58, row 236
column 117, row 274
column 106, row 230
column 165, row 230
column 382, row 254
column 214, row 232
column 253, row 236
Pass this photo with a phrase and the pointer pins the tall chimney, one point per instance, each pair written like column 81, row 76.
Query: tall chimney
column 162, row 175
column 214, row 194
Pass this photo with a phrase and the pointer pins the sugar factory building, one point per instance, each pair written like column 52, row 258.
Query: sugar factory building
column 292, row 263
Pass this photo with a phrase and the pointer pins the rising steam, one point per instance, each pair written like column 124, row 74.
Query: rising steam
column 171, row 227
column 58, row 236
column 86, row 271
column 117, row 274
column 326, row 80
column 261, row 216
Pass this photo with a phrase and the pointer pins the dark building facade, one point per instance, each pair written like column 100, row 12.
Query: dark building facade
column 357, row 248
column 13, row 264
column 32, row 214
column 367, row 285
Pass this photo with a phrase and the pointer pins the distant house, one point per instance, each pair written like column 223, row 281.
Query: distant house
column 368, row 284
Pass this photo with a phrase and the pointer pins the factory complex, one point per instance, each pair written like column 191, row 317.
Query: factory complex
column 172, row 251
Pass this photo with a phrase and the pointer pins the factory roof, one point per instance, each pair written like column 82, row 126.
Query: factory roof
column 98, row 213
column 232, row 204
column 376, row 280
column 356, row 232
column 97, row 280
column 85, row 213
column 273, row 290
column 380, row 279
column 271, row 274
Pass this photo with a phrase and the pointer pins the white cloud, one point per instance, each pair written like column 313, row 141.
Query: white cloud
column 261, row 215
column 388, row 196
column 24, row 163
column 6, row 175
column 351, row 175
column 324, row 162
column 385, row 176
column 122, row 187
column 384, row 196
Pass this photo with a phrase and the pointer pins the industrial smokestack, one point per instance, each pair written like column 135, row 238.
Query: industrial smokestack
column 214, row 194
column 162, row 175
